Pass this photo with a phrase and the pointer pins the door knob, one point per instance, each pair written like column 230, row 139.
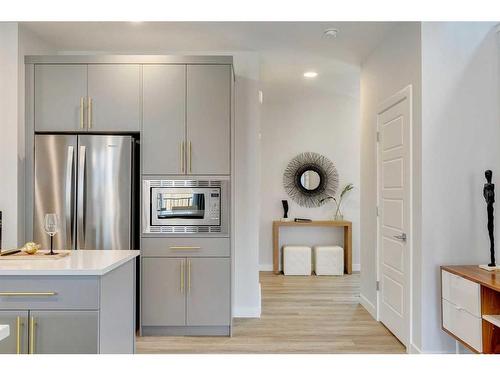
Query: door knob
column 401, row 237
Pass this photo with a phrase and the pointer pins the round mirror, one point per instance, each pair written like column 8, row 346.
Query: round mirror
column 310, row 180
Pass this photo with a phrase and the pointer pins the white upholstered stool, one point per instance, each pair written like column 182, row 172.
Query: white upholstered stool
column 328, row 260
column 296, row 260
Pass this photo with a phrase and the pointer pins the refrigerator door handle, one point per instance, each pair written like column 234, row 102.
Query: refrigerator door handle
column 81, row 199
column 69, row 194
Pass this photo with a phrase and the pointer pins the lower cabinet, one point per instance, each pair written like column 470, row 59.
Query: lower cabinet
column 50, row 332
column 63, row 332
column 163, row 292
column 17, row 342
column 208, row 293
column 186, row 292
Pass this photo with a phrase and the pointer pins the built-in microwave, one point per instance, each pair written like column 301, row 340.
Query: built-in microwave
column 176, row 206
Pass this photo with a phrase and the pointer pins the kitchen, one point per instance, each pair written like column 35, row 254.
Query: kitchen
column 128, row 152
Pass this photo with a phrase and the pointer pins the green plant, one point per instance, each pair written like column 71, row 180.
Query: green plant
column 338, row 201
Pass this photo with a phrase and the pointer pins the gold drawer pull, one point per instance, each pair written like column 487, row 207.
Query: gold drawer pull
column 27, row 294
column 185, row 247
column 18, row 341
column 189, row 275
column 182, row 276
column 32, row 335
column 81, row 112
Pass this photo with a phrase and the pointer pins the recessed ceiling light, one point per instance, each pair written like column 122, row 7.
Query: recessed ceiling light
column 310, row 74
column 330, row 33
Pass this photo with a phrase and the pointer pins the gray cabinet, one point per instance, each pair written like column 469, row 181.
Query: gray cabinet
column 17, row 342
column 64, row 332
column 208, row 119
column 114, row 94
column 185, row 292
column 58, row 314
column 164, row 115
column 208, row 295
column 88, row 97
column 163, row 298
column 60, row 93
column 186, row 119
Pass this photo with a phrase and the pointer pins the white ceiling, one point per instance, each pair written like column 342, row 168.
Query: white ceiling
column 354, row 42
column 286, row 49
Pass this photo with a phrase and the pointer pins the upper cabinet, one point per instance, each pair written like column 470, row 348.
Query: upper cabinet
column 183, row 109
column 60, row 94
column 186, row 119
column 208, row 119
column 81, row 97
column 114, row 97
column 164, row 118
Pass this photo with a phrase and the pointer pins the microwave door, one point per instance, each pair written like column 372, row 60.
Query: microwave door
column 176, row 206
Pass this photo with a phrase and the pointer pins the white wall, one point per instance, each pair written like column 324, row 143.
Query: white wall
column 247, row 302
column 8, row 133
column 303, row 117
column 15, row 42
column 29, row 44
column 393, row 65
column 461, row 136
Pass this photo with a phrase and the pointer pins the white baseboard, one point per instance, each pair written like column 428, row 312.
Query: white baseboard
column 249, row 312
column 356, row 267
column 265, row 267
column 370, row 307
column 413, row 349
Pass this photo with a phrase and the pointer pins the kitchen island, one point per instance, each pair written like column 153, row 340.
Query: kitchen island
column 83, row 303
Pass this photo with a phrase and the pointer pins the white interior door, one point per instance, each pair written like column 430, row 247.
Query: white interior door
column 394, row 195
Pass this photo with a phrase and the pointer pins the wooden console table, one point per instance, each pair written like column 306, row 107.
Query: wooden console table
column 470, row 307
column 347, row 225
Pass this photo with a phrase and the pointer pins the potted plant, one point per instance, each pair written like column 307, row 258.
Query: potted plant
column 338, row 201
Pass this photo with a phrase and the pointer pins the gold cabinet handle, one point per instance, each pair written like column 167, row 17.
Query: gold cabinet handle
column 81, row 112
column 184, row 247
column 190, row 158
column 182, row 157
column 32, row 335
column 182, row 276
column 189, row 275
column 27, row 294
column 89, row 112
column 18, row 338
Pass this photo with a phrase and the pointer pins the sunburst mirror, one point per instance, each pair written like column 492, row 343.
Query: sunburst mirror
column 309, row 178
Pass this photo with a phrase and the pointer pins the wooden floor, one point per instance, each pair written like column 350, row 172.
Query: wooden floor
column 300, row 314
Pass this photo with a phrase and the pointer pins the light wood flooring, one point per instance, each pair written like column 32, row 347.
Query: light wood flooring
column 300, row 314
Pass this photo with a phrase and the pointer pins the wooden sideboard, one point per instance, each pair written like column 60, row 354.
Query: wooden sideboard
column 470, row 307
column 346, row 225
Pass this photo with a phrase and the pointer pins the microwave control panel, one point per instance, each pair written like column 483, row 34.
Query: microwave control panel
column 214, row 208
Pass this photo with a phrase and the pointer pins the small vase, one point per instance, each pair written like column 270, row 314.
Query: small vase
column 339, row 217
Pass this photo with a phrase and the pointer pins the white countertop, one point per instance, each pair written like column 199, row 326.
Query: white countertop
column 4, row 332
column 79, row 262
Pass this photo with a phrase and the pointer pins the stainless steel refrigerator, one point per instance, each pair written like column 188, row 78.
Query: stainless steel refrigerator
column 87, row 181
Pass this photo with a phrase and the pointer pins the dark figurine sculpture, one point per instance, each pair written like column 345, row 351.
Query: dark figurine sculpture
column 489, row 196
column 284, row 202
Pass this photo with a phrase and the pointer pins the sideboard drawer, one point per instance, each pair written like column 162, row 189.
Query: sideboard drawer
column 185, row 247
column 462, row 293
column 49, row 293
column 463, row 325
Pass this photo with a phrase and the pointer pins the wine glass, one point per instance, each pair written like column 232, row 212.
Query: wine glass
column 51, row 228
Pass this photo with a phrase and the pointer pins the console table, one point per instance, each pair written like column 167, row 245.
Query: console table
column 347, row 225
column 470, row 298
